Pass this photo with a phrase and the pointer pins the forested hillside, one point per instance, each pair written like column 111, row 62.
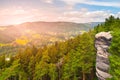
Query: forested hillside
column 31, row 29
column 65, row 60
column 39, row 34
column 73, row 59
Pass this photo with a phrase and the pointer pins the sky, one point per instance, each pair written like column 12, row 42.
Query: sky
column 79, row 11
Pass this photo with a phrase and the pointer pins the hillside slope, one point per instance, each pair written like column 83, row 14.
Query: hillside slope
column 10, row 33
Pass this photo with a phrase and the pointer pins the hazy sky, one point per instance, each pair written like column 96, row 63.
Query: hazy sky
column 82, row 11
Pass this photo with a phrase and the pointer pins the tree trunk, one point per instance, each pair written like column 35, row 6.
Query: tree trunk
column 92, row 74
column 83, row 76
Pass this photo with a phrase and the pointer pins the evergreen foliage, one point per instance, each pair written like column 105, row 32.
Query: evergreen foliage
column 112, row 24
column 73, row 59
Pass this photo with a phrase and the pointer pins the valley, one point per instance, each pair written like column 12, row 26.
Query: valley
column 40, row 34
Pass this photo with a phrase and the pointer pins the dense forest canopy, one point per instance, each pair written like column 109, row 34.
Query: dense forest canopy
column 73, row 59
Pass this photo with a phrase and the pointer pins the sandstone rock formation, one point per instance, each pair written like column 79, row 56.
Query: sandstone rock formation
column 102, row 43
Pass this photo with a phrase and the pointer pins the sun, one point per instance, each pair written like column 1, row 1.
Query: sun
column 17, row 21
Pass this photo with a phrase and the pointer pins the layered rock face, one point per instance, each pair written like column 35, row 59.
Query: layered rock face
column 102, row 43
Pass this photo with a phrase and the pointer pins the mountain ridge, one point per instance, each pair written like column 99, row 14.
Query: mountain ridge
column 12, row 32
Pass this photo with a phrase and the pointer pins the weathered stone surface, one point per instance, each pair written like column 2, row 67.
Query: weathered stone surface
column 102, row 43
column 101, row 65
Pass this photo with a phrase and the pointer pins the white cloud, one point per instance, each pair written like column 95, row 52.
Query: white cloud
column 48, row 1
column 84, row 16
column 117, row 15
column 93, row 2
column 20, row 15
column 17, row 15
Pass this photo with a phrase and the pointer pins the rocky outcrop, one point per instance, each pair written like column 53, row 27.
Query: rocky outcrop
column 102, row 43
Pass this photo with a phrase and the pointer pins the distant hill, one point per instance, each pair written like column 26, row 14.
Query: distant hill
column 10, row 33
column 93, row 24
column 38, row 33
